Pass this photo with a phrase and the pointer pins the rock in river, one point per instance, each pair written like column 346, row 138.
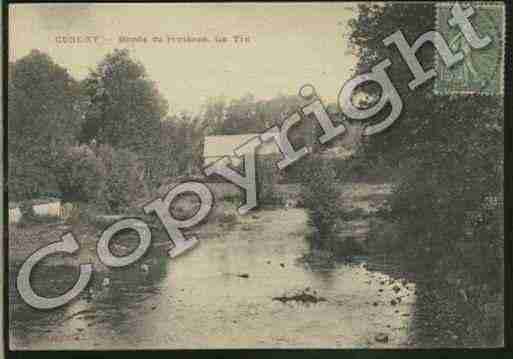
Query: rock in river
column 381, row 338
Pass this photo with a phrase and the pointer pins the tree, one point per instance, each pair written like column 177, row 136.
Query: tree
column 126, row 107
column 247, row 115
column 320, row 193
column 449, row 150
column 124, row 180
column 180, row 148
column 44, row 113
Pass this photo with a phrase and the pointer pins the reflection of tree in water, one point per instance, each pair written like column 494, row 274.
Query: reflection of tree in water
column 26, row 323
column 129, row 292
column 315, row 259
column 108, row 307
column 320, row 259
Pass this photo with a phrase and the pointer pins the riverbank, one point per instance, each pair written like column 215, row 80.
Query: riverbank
column 26, row 238
column 450, row 310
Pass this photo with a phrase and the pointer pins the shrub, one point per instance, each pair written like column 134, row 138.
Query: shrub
column 29, row 177
column 320, row 194
column 79, row 174
column 109, row 178
column 267, row 176
column 124, row 177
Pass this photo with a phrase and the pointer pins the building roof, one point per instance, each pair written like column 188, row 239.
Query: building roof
column 219, row 146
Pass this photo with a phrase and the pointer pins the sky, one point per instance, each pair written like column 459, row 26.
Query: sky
column 290, row 44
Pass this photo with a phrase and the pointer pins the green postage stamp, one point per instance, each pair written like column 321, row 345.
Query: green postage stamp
column 482, row 70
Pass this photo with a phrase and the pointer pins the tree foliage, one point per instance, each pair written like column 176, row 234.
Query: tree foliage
column 124, row 177
column 45, row 110
column 125, row 108
column 449, row 151
column 80, row 174
column 247, row 115
column 320, row 194
column 180, row 148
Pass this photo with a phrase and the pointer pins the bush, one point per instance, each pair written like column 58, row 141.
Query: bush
column 320, row 194
column 109, row 178
column 28, row 178
column 267, row 176
column 82, row 215
column 456, row 220
column 79, row 174
column 124, row 177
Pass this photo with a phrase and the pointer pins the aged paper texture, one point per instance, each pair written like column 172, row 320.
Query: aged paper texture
column 242, row 175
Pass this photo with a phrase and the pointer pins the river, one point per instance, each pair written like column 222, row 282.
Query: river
column 233, row 291
column 220, row 295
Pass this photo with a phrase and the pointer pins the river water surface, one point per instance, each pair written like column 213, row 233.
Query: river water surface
column 220, row 295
